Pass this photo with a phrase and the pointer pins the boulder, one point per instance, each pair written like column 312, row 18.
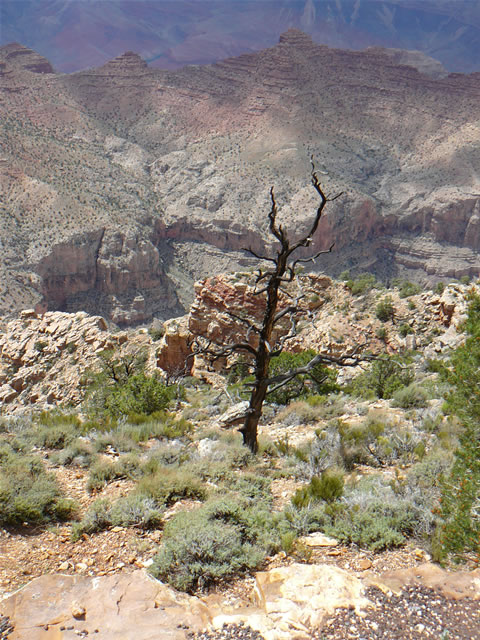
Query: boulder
column 301, row 595
column 456, row 585
column 235, row 415
column 122, row 606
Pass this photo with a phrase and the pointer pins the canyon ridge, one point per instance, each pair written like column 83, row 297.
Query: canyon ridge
column 122, row 185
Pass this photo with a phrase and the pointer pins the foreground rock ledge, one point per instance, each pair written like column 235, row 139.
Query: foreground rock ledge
column 289, row 601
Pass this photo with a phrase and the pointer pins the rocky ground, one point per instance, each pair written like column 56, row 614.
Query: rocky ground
column 420, row 603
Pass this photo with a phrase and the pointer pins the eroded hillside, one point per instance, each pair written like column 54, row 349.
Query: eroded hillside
column 124, row 184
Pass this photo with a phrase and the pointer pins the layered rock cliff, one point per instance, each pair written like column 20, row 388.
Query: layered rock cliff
column 124, row 184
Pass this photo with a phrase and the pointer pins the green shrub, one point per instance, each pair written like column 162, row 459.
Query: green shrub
column 57, row 418
column 168, row 486
column 101, row 473
column 383, row 378
column 40, row 346
column 131, row 511
column 327, row 487
column 305, row 519
column 136, row 511
column 385, row 310
column 218, row 541
column 373, row 516
column 362, row 283
column 411, row 397
column 435, row 366
column 29, row 494
column 405, row 329
column 370, row 515
column 104, row 471
column 381, row 333
column 56, row 436
column 320, row 380
column 117, row 441
column 407, row 289
column 156, row 333
column 140, row 394
column 375, row 527
column 95, row 519
column 250, row 487
column 121, row 387
column 78, row 453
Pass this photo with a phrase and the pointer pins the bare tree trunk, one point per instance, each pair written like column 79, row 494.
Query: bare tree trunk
column 282, row 270
column 264, row 349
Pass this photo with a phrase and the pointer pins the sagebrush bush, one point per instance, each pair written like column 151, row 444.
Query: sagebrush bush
column 213, row 543
column 29, row 494
column 377, row 442
column 377, row 527
column 78, row 454
column 130, row 511
column 323, row 452
column 305, row 519
column 373, row 516
column 104, row 471
column 95, row 519
column 169, row 485
column 57, row 436
column 411, row 397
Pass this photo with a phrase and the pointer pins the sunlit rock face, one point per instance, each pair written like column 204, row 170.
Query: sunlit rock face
column 124, row 184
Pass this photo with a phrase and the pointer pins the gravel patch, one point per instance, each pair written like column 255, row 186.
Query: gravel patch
column 6, row 627
column 418, row 613
column 239, row 631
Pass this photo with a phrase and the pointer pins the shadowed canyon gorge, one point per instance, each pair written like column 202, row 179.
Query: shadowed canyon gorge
column 122, row 185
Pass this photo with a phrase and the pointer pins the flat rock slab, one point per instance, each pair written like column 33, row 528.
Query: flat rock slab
column 318, row 540
column 290, row 602
column 456, row 585
column 124, row 606
column 300, row 596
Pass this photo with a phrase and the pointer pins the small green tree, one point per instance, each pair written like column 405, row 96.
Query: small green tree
column 386, row 375
column 385, row 310
column 121, row 387
column 460, row 504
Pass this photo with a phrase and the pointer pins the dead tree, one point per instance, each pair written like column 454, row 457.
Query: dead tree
column 281, row 270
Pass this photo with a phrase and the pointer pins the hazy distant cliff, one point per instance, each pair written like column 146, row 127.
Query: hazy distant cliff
column 122, row 184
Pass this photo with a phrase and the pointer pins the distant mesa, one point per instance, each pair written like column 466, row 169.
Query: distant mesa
column 296, row 38
column 25, row 58
column 128, row 61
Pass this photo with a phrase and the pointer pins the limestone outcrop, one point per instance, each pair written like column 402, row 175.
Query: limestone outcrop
column 334, row 321
column 288, row 602
column 43, row 357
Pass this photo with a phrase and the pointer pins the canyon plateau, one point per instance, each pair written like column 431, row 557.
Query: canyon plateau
column 122, row 185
